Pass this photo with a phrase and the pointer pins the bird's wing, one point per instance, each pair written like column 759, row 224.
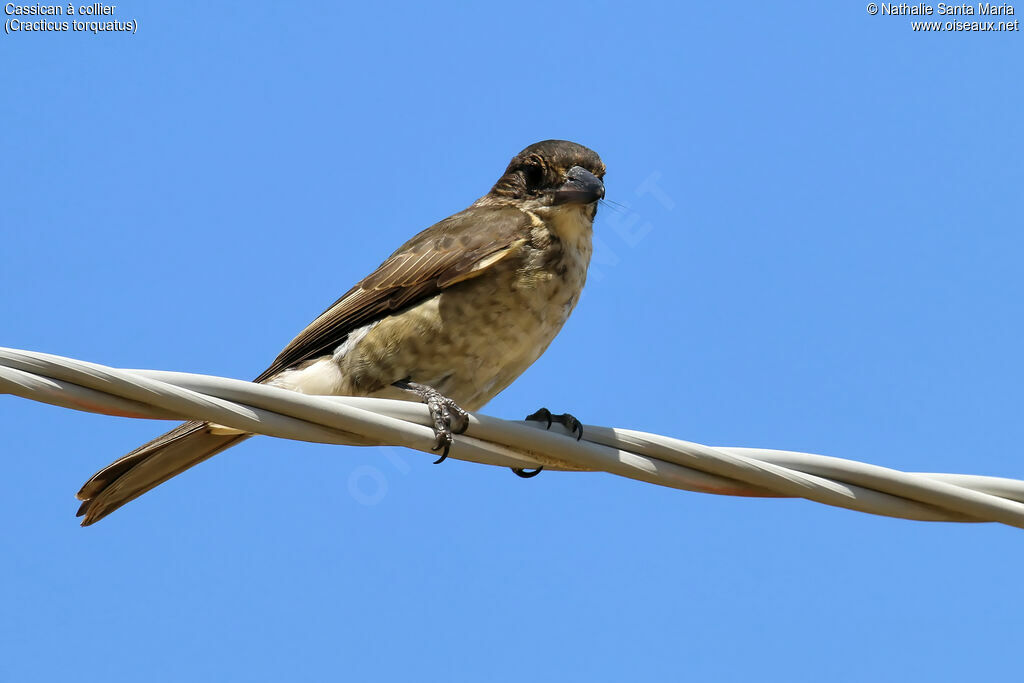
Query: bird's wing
column 456, row 249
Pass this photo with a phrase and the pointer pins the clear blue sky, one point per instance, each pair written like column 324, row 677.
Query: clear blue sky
column 829, row 262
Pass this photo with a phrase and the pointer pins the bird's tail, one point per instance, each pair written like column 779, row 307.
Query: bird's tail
column 150, row 465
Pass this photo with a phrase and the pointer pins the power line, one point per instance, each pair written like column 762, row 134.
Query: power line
column 638, row 455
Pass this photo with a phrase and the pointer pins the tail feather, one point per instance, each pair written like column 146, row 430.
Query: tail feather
column 148, row 466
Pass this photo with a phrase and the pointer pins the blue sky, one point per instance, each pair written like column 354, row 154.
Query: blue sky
column 821, row 253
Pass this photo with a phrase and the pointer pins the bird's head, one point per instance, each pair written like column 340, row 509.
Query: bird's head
column 553, row 173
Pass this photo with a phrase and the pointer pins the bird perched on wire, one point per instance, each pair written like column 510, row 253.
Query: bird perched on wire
column 450, row 319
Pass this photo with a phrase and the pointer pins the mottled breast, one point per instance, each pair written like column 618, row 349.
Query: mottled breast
column 474, row 338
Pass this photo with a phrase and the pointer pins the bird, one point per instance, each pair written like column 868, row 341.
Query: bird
column 450, row 319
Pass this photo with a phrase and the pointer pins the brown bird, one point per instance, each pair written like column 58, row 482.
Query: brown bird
column 450, row 319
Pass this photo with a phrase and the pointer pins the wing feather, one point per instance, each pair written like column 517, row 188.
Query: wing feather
column 456, row 249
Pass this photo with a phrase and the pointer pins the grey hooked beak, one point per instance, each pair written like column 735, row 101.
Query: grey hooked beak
column 580, row 187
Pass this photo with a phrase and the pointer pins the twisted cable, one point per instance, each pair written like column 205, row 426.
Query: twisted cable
column 652, row 458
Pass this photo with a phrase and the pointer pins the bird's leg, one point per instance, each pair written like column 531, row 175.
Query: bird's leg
column 445, row 412
column 544, row 415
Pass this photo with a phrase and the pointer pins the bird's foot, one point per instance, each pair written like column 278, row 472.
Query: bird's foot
column 544, row 415
column 571, row 423
column 448, row 417
column 525, row 473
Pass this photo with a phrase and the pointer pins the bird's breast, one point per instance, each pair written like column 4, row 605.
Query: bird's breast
column 474, row 338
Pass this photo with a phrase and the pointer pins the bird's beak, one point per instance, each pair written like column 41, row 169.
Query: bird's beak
column 580, row 187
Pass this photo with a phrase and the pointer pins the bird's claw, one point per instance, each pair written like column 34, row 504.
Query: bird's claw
column 448, row 418
column 447, row 415
column 544, row 415
column 574, row 426
column 444, row 440
column 524, row 473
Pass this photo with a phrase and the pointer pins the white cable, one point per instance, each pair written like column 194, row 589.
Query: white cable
column 647, row 457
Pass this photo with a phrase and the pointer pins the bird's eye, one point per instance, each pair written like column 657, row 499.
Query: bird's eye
column 534, row 176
